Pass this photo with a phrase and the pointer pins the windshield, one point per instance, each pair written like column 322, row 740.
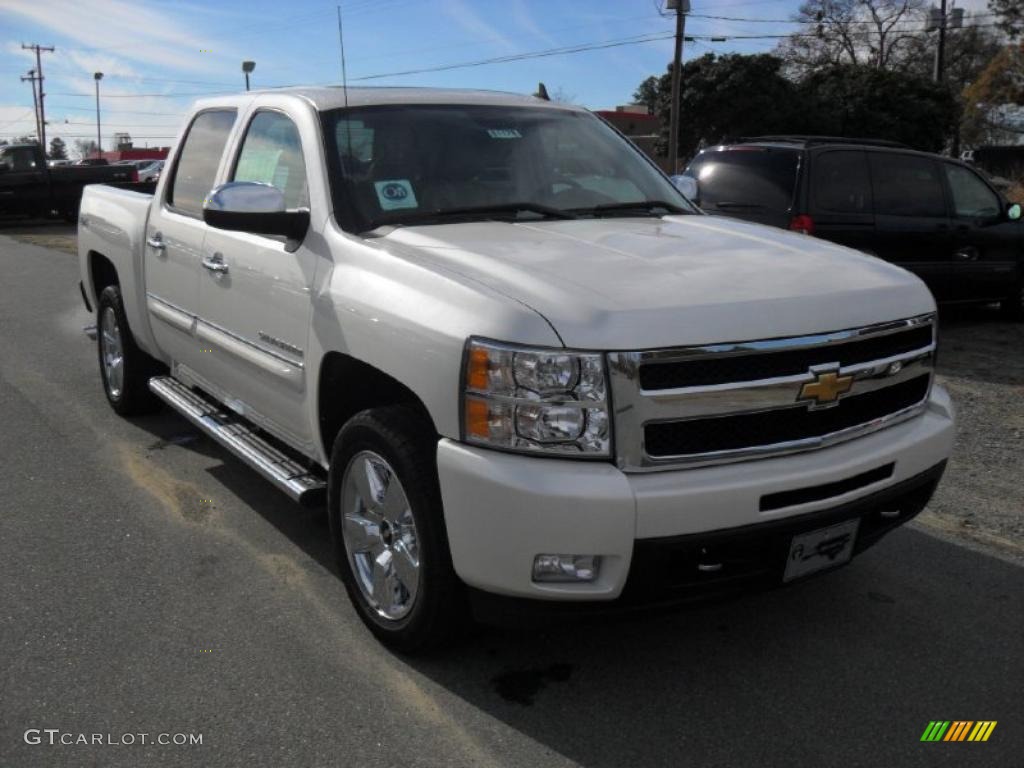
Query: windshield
column 424, row 164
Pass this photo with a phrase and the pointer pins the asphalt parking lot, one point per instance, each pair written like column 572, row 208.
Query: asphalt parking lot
column 150, row 583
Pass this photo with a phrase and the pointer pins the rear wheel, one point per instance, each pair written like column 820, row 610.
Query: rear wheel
column 387, row 526
column 124, row 368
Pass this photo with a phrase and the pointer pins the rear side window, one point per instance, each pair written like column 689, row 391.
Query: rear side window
column 972, row 199
column 749, row 179
column 905, row 185
column 197, row 164
column 841, row 183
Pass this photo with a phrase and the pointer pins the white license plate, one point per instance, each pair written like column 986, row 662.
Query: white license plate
column 820, row 549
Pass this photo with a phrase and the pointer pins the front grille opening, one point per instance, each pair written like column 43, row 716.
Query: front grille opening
column 784, row 499
column 766, row 428
column 767, row 365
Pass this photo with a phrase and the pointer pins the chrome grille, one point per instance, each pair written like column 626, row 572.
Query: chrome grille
column 734, row 401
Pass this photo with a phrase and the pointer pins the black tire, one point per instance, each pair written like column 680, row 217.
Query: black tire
column 405, row 440
column 1012, row 307
column 133, row 397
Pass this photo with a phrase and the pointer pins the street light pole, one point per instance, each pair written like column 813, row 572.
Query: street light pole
column 97, row 76
column 247, row 67
column 682, row 7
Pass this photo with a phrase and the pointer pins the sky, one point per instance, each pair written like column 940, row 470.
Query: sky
column 156, row 56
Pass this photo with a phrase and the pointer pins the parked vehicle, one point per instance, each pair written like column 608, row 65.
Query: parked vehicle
column 521, row 368
column 29, row 186
column 92, row 161
column 150, row 170
column 932, row 215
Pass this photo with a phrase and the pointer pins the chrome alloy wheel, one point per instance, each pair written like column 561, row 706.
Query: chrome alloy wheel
column 380, row 535
column 112, row 352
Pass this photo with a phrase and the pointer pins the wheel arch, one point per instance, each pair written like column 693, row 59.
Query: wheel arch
column 347, row 385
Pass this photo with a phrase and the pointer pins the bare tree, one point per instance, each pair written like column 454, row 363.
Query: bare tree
column 878, row 33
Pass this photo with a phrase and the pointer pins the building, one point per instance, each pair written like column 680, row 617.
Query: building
column 642, row 128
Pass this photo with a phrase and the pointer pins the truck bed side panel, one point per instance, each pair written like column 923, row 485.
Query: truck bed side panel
column 112, row 223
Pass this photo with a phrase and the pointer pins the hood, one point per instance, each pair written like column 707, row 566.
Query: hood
column 642, row 283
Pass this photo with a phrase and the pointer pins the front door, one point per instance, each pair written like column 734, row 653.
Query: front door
column 255, row 294
column 912, row 227
column 174, row 237
column 986, row 247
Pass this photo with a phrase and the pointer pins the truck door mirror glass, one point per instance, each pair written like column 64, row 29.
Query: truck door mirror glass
column 688, row 186
column 1013, row 212
column 254, row 207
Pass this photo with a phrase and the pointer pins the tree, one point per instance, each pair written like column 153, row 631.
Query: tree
column 995, row 100
column 58, row 151
column 647, row 94
column 85, row 148
column 25, row 140
column 727, row 95
column 1009, row 16
column 877, row 33
column 867, row 102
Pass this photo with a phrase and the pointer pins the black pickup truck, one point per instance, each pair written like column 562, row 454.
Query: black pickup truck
column 29, row 187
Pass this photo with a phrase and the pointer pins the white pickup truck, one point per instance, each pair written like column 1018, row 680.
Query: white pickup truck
column 523, row 370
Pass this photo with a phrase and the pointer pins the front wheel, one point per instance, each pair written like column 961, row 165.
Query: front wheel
column 124, row 368
column 1012, row 307
column 387, row 527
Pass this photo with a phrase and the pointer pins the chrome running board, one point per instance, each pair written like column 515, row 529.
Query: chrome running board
column 241, row 439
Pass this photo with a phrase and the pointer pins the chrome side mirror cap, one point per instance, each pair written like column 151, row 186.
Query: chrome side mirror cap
column 688, row 186
column 257, row 208
column 1013, row 212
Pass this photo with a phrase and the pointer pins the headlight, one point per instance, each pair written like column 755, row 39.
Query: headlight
column 535, row 400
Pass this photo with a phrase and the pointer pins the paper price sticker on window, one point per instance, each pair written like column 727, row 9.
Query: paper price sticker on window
column 395, row 194
column 504, row 133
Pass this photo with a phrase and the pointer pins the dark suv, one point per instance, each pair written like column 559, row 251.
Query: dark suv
column 932, row 215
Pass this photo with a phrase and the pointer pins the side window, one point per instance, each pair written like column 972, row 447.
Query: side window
column 197, row 164
column 972, row 199
column 272, row 154
column 841, row 183
column 906, row 185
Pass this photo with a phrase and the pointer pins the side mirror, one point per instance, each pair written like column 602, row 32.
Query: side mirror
column 254, row 207
column 688, row 186
column 1013, row 211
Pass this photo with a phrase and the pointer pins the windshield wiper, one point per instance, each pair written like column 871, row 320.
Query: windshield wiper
column 428, row 217
column 728, row 204
column 646, row 206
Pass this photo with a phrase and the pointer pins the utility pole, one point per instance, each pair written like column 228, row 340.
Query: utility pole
column 940, row 48
column 97, row 76
column 39, row 72
column 31, row 77
column 681, row 7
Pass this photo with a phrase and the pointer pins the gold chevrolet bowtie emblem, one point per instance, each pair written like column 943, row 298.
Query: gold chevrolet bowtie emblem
column 826, row 388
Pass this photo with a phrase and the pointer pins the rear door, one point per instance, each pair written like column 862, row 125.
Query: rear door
column 175, row 233
column 986, row 245
column 254, row 310
column 840, row 200
column 912, row 227
column 754, row 183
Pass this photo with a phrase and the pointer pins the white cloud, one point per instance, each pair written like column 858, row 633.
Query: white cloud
column 467, row 18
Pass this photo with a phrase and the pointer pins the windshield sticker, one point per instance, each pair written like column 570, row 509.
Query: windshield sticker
column 504, row 133
column 395, row 194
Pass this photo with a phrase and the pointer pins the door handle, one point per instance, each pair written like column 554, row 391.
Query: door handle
column 156, row 241
column 966, row 254
column 216, row 264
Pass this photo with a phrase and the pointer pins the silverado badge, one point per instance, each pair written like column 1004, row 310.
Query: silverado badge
column 826, row 388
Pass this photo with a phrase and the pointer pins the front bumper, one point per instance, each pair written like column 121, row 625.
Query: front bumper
column 502, row 510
